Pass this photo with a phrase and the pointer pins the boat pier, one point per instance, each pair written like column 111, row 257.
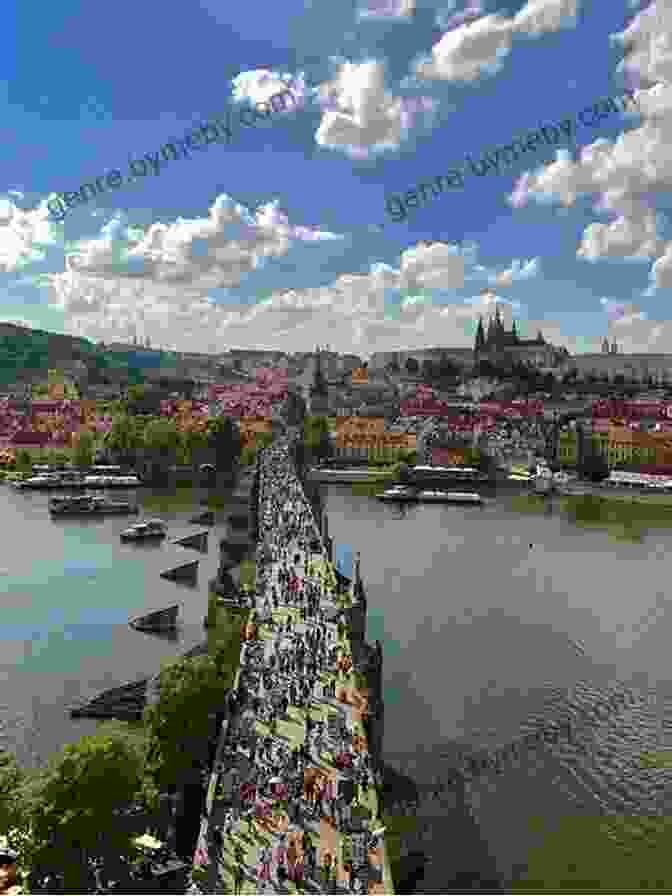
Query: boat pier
column 295, row 796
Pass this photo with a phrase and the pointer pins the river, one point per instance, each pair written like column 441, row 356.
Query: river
column 67, row 590
column 482, row 631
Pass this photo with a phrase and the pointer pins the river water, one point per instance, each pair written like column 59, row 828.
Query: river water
column 483, row 633
column 480, row 632
column 67, row 590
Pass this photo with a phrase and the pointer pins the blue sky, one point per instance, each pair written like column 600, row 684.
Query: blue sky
column 280, row 237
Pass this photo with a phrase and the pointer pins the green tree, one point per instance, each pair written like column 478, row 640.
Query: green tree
column 24, row 463
column 73, row 805
column 84, row 449
column 125, row 439
column 179, row 725
column 161, row 446
column 12, row 780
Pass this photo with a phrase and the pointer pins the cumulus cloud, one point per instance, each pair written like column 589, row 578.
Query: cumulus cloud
column 448, row 19
column 361, row 117
column 540, row 16
column 386, row 9
column 24, row 234
column 468, row 51
column 624, row 176
column 158, row 285
column 622, row 312
column 259, row 85
column 517, row 271
column 635, row 236
column 479, row 47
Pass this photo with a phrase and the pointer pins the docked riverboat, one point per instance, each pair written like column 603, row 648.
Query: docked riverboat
column 438, row 496
column 111, row 481
column 145, row 530
column 46, row 481
column 354, row 474
column 399, row 493
column 43, row 482
column 89, row 505
column 430, row 476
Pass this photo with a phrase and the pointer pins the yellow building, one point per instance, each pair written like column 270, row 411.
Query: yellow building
column 359, row 376
column 367, row 437
column 621, row 445
column 253, row 427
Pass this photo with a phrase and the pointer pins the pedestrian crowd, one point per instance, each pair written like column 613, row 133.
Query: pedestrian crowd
column 306, row 660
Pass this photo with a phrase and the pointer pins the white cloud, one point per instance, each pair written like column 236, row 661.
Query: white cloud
column 259, row 85
column 160, row 285
column 626, row 175
column 23, row 234
column 517, row 271
column 540, row 16
column 465, row 53
column 634, row 236
column 360, row 117
column 479, row 47
column 386, row 9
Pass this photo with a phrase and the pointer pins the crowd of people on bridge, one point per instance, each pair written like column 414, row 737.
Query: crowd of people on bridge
column 304, row 661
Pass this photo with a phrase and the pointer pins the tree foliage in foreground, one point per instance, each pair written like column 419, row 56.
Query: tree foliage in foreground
column 179, row 724
column 70, row 808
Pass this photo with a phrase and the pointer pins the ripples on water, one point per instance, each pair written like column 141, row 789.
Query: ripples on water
column 587, row 743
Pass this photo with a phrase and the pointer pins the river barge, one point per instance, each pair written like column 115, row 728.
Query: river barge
column 148, row 529
column 399, row 493
column 89, row 505
column 438, row 496
column 49, row 481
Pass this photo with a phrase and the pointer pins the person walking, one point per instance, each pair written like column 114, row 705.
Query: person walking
column 327, row 870
column 292, row 858
column 264, row 867
column 238, row 879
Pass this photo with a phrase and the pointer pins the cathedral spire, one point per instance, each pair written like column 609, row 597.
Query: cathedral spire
column 479, row 345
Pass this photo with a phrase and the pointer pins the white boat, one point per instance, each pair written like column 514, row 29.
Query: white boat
column 438, row 496
column 341, row 476
column 111, row 481
column 46, row 480
column 147, row 529
column 398, row 493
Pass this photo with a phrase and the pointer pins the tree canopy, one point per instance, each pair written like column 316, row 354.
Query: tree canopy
column 71, row 806
column 179, row 724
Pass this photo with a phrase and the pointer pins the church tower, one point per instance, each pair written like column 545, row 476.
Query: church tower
column 479, row 344
column 319, row 386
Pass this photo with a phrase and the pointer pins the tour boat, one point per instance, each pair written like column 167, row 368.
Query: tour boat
column 44, row 481
column 148, row 529
column 111, row 481
column 398, row 493
column 89, row 505
column 437, row 496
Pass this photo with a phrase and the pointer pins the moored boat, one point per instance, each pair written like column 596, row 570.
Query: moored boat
column 147, row 529
column 398, row 493
column 438, row 496
column 88, row 505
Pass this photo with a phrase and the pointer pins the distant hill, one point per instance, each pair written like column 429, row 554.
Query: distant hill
column 26, row 355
